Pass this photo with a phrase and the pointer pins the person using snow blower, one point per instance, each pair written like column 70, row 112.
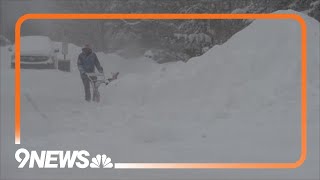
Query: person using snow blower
column 87, row 61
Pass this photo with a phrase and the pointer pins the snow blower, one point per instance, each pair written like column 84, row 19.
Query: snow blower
column 99, row 78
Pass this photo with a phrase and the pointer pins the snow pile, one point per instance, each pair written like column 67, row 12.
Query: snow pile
column 259, row 64
column 249, row 86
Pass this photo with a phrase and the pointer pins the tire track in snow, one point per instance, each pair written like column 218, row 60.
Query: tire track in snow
column 35, row 106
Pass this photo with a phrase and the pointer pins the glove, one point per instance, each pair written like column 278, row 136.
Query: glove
column 84, row 74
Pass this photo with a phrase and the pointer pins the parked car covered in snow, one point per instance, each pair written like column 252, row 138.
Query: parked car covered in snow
column 37, row 52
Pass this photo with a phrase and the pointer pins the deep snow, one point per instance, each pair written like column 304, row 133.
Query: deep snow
column 239, row 102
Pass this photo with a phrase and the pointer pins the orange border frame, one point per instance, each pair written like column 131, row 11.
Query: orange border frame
column 295, row 17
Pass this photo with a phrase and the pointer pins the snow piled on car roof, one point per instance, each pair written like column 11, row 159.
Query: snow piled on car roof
column 36, row 45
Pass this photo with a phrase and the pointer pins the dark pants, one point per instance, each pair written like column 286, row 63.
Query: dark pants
column 86, row 84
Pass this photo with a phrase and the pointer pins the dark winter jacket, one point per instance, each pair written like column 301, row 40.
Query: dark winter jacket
column 86, row 63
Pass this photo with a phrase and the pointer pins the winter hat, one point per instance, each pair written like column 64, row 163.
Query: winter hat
column 87, row 46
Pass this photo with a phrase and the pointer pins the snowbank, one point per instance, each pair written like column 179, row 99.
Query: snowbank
column 261, row 62
column 239, row 91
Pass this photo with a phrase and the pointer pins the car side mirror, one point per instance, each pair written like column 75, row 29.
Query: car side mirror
column 56, row 50
column 10, row 49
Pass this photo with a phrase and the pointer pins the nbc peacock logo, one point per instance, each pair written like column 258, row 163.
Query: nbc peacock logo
column 101, row 161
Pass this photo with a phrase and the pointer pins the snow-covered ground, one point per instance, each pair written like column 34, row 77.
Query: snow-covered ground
column 239, row 102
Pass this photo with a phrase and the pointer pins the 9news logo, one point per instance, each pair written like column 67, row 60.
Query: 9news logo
column 61, row 159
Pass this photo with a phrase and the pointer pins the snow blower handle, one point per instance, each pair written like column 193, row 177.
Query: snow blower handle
column 101, row 78
column 96, row 78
